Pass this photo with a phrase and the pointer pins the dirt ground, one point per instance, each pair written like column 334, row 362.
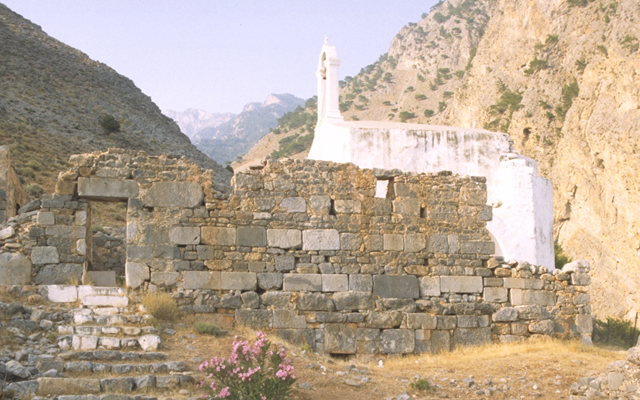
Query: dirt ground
column 540, row 370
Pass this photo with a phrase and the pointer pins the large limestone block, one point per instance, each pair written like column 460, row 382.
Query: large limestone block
column 353, row 301
column 397, row 341
column 165, row 279
column 584, row 323
column 415, row 242
column 302, row 282
column 218, row 236
column 49, row 387
column 102, row 278
column 294, row 204
column 393, row 242
column 396, row 286
column 107, row 189
column 185, row 235
column 135, row 274
column 335, row 282
column 59, row 274
column 252, row 236
column 288, row 319
column 430, row 286
column 522, row 297
column 104, row 301
column 270, row 280
column 471, row 336
column 495, row 294
column 461, row 284
column 361, row 283
column 239, row 281
column 65, row 231
column 15, row 269
column 173, row 194
column 82, row 342
column 255, row 319
column 320, row 239
column 520, row 283
column 202, row 280
column 62, row 293
column 149, row 342
column 340, row 338
column 284, row 238
column 350, row 241
column 421, row 321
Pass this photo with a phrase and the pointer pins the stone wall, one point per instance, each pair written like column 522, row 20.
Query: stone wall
column 12, row 194
column 307, row 249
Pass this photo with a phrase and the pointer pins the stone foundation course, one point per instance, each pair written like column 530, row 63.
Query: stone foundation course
column 305, row 248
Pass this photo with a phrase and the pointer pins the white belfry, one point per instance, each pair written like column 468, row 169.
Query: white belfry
column 521, row 200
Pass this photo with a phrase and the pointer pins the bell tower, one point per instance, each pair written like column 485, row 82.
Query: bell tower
column 328, row 88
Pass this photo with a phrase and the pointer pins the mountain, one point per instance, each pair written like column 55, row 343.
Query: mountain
column 562, row 78
column 224, row 137
column 54, row 97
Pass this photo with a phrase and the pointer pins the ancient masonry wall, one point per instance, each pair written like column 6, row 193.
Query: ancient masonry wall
column 12, row 194
column 306, row 249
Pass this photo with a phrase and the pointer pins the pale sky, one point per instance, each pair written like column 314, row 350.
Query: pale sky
column 219, row 55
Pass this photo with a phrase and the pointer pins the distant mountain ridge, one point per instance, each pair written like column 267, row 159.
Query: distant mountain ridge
column 52, row 97
column 226, row 136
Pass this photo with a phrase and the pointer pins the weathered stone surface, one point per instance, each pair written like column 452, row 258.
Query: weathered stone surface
column 579, row 279
column 505, row 314
column 185, row 235
column 520, row 283
column 353, row 301
column 396, row 286
column 102, row 278
column 15, row 269
column 430, row 286
column 320, row 202
column 544, row 327
column 521, row 297
column 269, row 281
column 348, row 206
column 461, row 284
column 107, row 189
column 584, row 323
column 421, row 321
column 384, row 319
column 165, row 279
column 284, row 238
column 302, row 282
column 495, row 294
column 22, row 390
column 218, row 236
column 288, row 319
column 239, row 281
column 44, row 255
column 440, row 342
column 149, row 342
column 534, row 312
column 633, row 355
column 59, row 274
column 393, row 242
column 350, row 241
column 118, row 385
column 285, row 263
column 361, row 283
column 82, row 342
column 415, row 242
column 314, row 302
column 7, row 232
column 202, row 280
column 397, row 341
column 252, row 236
column 136, row 274
column 320, row 239
column 438, row 244
column 340, row 338
column 62, row 294
column 254, row 319
column 471, row 336
column 335, row 282
column 294, row 204
column 276, row 299
column 173, row 194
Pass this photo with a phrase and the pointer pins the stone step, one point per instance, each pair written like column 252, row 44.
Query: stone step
column 98, row 316
column 113, row 355
column 79, row 367
column 88, row 295
column 103, row 389
column 148, row 342
column 96, row 330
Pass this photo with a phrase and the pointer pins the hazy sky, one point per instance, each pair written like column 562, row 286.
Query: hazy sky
column 219, row 55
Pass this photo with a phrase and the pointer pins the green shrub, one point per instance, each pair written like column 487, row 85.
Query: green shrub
column 409, row 89
column 581, row 64
column 577, row 3
column 161, row 306
column 551, row 39
column 421, row 385
column 34, row 190
column 536, row 65
column 442, row 106
column 447, row 95
column 617, row 332
column 109, row 123
column 405, row 115
column 459, row 73
column 428, row 113
column 27, row 172
column 34, row 165
column 603, row 49
column 386, row 103
column 206, row 328
column 420, row 97
column 560, row 258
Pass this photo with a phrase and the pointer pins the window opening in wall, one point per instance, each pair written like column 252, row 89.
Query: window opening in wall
column 106, row 244
column 382, row 187
column 423, row 212
column 332, row 208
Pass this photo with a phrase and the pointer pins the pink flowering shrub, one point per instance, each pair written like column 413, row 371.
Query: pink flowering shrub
column 252, row 372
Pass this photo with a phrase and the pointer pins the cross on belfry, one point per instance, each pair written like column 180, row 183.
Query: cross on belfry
column 326, row 39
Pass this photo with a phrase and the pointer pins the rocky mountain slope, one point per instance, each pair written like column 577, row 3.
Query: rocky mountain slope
column 52, row 98
column 224, row 137
column 562, row 78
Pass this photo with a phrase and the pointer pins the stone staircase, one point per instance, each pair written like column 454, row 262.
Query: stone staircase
column 108, row 352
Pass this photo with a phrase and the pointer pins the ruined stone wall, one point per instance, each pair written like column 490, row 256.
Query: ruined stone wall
column 305, row 248
column 12, row 194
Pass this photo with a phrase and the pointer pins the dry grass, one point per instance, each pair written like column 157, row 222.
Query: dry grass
column 161, row 306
